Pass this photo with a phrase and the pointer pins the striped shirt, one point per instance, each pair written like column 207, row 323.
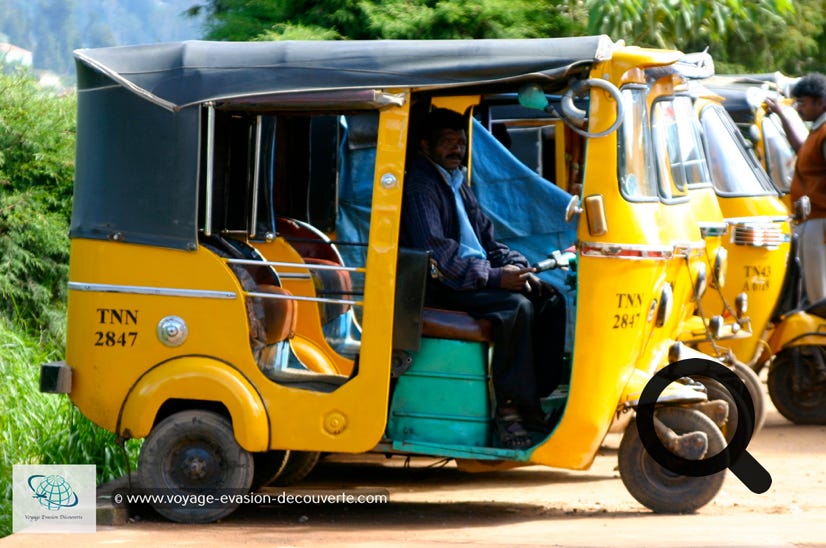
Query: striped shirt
column 430, row 222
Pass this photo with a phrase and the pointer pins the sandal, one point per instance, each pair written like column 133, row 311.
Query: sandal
column 509, row 430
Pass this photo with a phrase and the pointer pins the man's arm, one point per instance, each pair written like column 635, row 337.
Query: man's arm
column 795, row 140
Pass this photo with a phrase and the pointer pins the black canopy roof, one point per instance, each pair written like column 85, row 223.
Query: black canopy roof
column 140, row 108
column 175, row 75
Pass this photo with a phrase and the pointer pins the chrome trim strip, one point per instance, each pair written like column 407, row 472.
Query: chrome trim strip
column 210, row 158
column 641, row 252
column 253, row 262
column 755, row 220
column 627, row 251
column 300, row 298
column 147, row 290
column 256, row 176
column 296, row 276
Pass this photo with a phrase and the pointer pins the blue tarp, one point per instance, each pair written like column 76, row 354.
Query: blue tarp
column 527, row 210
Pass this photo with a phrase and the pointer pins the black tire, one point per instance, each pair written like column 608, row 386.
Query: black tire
column 662, row 490
column 299, row 465
column 758, row 395
column 268, row 465
column 806, row 403
column 194, row 453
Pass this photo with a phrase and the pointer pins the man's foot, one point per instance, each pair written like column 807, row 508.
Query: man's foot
column 509, row 430
column 536, row 420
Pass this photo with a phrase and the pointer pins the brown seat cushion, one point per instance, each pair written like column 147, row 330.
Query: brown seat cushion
column 453, row 324
column 280, row 314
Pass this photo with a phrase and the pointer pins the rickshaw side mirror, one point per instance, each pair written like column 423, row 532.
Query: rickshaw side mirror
column 802, row 209
column 595, row 213
column 572, row 209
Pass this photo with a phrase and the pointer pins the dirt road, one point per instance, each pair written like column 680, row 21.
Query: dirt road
column 529, row 506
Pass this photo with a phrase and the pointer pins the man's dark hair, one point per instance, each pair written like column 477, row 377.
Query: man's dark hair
column 811, row 85
column 442, row 118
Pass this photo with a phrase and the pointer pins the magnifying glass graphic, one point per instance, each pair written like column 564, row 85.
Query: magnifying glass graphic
column 734, row 456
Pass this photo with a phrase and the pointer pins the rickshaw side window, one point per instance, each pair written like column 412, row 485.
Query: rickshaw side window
column 231, row 174
column 635, row 158
column 678, row 147
column 734, row 168
column 304, row 166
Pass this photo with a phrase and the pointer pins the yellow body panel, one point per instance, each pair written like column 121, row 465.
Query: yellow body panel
column 350, row 419
column 798, row 329
column 202, row 379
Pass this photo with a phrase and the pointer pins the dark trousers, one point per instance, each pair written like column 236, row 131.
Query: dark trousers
column 529, row 338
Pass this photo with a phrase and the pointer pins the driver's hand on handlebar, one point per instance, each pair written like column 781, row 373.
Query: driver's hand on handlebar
column 534, row 285
column 515, row 278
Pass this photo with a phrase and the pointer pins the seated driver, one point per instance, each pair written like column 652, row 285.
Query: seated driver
column 472, row 272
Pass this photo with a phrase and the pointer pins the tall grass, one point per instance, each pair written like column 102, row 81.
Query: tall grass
column 38, row 428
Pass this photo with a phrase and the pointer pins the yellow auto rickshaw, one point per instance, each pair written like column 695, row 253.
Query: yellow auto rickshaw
column 238, row 297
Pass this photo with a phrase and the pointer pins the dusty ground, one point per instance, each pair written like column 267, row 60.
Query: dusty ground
column 528, row 506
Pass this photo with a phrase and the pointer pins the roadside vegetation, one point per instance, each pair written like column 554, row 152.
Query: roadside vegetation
column 37, row 139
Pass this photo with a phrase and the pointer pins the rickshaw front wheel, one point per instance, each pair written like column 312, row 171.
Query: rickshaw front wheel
column 189, row 456
column 659, row 489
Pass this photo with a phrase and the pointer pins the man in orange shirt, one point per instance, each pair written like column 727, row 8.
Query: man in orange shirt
column 810, row 178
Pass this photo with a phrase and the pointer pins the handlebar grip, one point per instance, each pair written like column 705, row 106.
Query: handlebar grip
column 546, row 264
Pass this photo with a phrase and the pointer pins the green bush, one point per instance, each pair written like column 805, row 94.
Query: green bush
column 37, row 141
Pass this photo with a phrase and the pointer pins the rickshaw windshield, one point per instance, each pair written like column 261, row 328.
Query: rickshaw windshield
column 734, row 169
column 678, row 147
column 779, row 154
column 636, row 161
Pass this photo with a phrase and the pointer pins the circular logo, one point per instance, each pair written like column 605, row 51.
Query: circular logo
column 52, row 492
column 734, row 456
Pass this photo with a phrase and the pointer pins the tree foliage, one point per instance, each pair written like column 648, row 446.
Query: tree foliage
column 37, row 136
column 754, row 36
column 685, row 24
column 382, row 19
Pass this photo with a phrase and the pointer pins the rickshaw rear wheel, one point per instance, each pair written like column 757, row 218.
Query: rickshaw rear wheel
column 795, row 394
column 659, row 489
column 268, row 465
column 299, row 465
column 192, row 453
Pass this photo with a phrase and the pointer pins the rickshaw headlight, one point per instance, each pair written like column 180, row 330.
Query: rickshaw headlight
column 700, row 282
column 675, row 352
column 715, row 326
column 720, row 268
column 741, row 304
column 666, row 304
